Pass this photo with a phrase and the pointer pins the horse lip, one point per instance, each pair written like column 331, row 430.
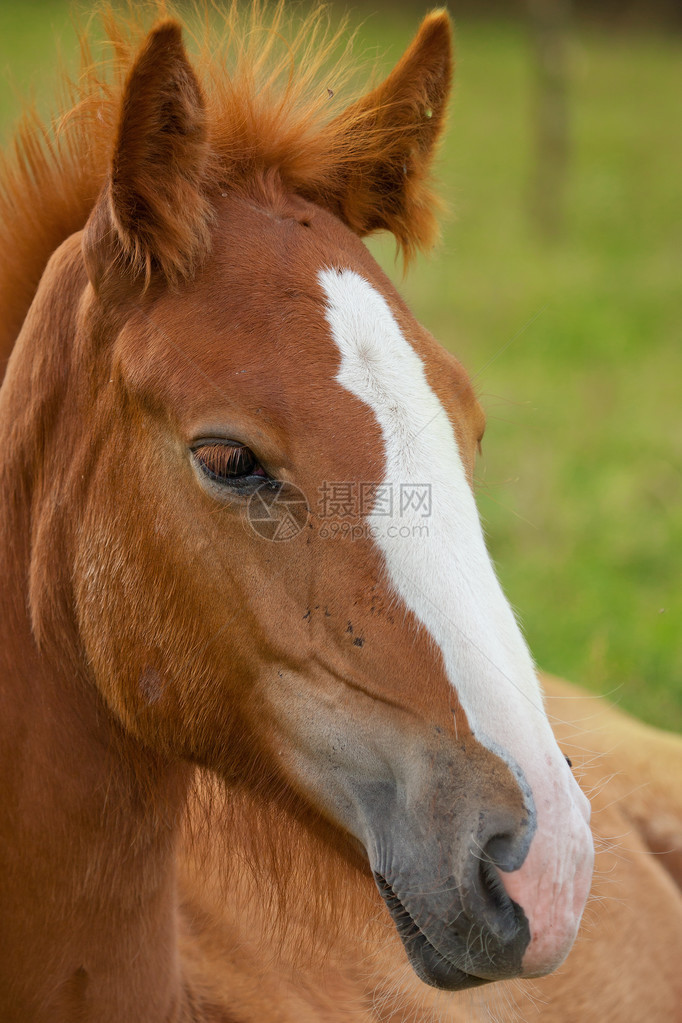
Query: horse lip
column 442, row 973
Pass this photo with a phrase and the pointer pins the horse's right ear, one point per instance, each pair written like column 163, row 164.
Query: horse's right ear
column 154, row 214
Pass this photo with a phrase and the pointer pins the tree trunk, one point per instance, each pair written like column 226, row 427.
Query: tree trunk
column 549, row 28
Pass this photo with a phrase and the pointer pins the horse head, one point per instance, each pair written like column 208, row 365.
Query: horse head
column 276, row 564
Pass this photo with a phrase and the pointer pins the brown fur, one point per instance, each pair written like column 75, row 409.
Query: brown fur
column 162, row 219
column 270, row 106
column 148, row 644
column 624, row 965
column 98, row 734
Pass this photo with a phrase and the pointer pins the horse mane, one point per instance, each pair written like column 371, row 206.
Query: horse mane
column 273, row 85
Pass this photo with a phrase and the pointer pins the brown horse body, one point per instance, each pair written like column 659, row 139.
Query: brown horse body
column 199, row 323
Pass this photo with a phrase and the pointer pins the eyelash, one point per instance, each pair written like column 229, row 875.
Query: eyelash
column 228, row 463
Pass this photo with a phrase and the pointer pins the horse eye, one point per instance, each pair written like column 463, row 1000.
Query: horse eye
column 226, row 461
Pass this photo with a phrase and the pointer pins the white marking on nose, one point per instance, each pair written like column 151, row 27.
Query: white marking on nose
column 443, row 572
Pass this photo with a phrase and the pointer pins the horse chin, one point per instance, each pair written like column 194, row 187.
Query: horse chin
column 434, row 969
column 435, row 966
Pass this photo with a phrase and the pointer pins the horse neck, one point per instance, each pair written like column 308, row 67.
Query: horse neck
column 89, row 829
column 312, row 934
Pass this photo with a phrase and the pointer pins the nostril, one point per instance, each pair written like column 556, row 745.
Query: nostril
column 502, row 851
column 500, row 914
column 491, row 883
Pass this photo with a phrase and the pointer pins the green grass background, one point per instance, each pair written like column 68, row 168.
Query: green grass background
column 575, row 347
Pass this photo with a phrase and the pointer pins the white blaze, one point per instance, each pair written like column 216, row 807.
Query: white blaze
column 443, row 572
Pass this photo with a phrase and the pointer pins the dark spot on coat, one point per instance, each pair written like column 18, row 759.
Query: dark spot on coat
column 151, row 685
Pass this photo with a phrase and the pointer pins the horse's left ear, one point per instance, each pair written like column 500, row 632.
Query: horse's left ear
column 154, row 212
column 385, row 143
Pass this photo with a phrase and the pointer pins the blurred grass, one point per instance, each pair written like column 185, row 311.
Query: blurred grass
column 575, row 348
column 580, row 485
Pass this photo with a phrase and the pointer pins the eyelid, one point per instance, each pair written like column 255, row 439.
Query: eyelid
column 206, row 442
column 224, row 459
column 219, row 461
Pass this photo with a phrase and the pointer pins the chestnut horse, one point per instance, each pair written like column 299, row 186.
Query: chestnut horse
column 201, row 349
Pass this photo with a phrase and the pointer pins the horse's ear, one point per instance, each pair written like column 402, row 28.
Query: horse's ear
column 385, row 143
column 155, row 202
